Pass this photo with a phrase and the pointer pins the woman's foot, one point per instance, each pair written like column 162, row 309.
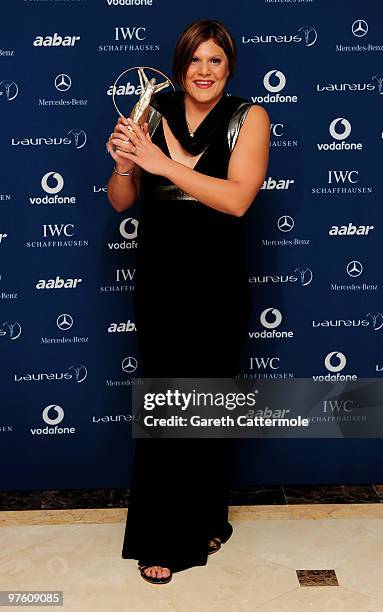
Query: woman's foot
column 156, row 573
column 214, row 545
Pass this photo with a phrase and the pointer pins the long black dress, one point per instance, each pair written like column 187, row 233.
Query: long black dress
column 192, row 305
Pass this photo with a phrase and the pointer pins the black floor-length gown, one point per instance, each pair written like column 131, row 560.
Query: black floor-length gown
column 192, row 305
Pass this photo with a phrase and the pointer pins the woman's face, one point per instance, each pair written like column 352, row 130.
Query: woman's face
column 206, row 77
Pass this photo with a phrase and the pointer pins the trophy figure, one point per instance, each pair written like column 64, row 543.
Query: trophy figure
column 149, row 87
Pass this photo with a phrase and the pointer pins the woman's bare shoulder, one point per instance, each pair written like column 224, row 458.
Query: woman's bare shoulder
column 258, row 113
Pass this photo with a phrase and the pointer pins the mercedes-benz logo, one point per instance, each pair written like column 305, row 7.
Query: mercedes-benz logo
column 63, row 82
column 285, row 223
column 129, row 364
column 359, row 28
column 354, row 268
column 64, row 321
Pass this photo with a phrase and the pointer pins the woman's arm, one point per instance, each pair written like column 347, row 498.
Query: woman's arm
column 246, row 171
column 123, row 191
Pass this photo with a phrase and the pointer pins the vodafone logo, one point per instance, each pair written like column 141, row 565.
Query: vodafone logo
column 56, row 178
column 55, row 420
column 340, row 130
column 276, row 318
column 340, row 133
column 340, row 361
column 274, row 74
column 52, row 415
column 129, row 235
column 274, row 82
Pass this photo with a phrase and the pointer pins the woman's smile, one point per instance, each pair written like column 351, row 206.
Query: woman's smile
column 203, row 84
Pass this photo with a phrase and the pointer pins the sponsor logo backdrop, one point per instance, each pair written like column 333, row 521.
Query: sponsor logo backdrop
column 67, row 267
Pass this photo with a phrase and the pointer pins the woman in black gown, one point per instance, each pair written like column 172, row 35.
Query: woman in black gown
column 191, row 295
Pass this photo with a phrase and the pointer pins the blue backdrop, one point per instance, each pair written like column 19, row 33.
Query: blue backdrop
column 67, row 331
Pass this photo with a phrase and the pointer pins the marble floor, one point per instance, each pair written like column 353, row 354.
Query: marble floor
column 265, row 566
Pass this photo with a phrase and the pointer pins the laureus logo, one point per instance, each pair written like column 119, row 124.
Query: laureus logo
column 11, row 330
column 8, row 90
column 79, row 138
column 310, row 35
column 307, row 34
column 379, row 82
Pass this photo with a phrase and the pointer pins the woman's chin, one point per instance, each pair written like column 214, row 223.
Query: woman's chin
column 203, row 95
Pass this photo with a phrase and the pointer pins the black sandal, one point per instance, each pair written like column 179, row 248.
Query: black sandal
column 215, row 547
column 152, row 579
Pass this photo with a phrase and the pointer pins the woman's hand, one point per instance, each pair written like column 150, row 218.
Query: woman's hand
column 142, row 151
column 118, row 145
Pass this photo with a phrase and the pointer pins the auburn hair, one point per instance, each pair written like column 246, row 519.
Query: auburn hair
column 196, row 33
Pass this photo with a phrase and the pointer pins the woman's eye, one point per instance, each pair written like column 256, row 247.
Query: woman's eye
column 194, row 60
column 216, row 60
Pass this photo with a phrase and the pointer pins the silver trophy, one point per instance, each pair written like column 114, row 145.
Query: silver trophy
column 148, row 87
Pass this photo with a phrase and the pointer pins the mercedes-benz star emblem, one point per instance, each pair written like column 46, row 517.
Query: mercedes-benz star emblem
column 354, row 268
column 129, row 364
column 63, row 82
column 359, row 28
column 285, row 223
column 64, row 321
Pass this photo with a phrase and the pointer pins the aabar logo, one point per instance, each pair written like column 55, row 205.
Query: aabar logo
column 58, row 283
column 129, row 326
column 55, row 41
column 350, row 230
column 271, row 183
